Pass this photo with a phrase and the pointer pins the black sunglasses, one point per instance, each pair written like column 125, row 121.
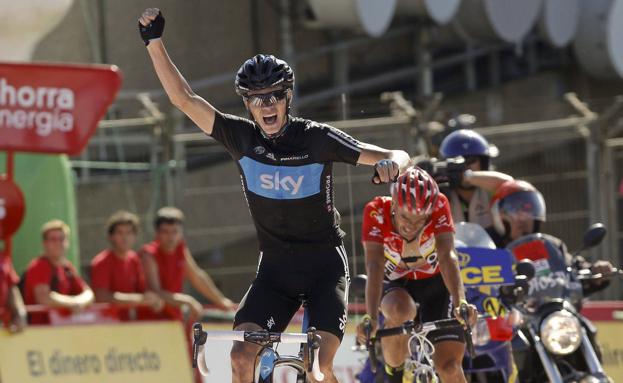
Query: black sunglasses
column 267, row 99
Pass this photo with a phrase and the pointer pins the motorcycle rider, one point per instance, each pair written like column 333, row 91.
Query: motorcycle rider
column 470, row 187
column 518, row 209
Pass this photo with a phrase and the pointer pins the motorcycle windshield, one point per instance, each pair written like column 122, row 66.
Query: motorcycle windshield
column 552, row 280
column 467, row 234
column 470, row 240
column 481, row 263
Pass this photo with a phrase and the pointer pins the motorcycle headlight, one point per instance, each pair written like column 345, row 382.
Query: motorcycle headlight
column 561, row 333
column 480, row 333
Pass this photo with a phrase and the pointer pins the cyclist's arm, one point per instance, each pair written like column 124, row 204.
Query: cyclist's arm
column 178, row 90
column 201, row 281
column 44, row 296
column 375, row 263
column 371, row 154
column 449, row 266
column 485, row 179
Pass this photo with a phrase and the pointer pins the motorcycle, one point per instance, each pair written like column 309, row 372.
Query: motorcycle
column 553, row 326
column 492, row 334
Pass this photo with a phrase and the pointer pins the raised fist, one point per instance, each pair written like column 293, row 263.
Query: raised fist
column 151, row 25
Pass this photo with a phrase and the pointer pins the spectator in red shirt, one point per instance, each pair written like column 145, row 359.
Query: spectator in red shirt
column 13, row 312
column 117, row 273
column 52, row 280
column 168, row 262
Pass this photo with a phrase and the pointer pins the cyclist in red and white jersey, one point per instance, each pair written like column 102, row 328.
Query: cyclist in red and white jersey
column 412, row 269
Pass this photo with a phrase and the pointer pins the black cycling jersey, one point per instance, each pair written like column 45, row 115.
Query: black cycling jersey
column 287, row 180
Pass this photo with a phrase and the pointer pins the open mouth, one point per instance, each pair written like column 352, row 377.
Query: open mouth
column 270, row 120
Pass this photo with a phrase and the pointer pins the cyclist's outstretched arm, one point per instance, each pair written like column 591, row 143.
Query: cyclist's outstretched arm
column 174, row 84
column 371, row 154
column 388, row 163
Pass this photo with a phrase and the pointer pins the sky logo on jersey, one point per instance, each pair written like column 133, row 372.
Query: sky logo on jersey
column 281, row 182
column 287, row 183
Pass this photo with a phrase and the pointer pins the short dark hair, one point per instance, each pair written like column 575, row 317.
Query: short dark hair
column 122, row 217
column 168, row 215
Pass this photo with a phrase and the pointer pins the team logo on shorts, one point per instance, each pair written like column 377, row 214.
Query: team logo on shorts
column 270, row 323
column 343, row 320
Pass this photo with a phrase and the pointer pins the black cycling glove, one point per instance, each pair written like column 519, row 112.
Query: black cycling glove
column 154, row 30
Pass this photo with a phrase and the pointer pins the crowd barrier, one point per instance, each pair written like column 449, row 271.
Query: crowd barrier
column 153, row 352
column 109, row 351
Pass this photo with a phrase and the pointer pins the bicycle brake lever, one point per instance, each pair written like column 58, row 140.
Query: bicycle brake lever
column 199, row 339
column 370, row 346
column 313, row 350
column 468, row 330
column 316, row 373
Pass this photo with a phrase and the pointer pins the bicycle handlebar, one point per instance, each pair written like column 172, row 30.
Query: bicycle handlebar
column 370, row 345
column 259, row 337
column 464, row 312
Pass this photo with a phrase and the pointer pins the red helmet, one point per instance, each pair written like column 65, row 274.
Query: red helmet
column 415, row 190
column 514, row 197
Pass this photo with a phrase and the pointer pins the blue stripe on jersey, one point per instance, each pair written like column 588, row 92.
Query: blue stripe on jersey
column 281, row 182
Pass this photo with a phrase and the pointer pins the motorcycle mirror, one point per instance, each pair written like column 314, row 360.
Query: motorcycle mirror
column 593, row 236
column 358, row 286
column 526, row 268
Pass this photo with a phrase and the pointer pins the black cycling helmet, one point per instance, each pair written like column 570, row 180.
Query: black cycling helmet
column 263, row 71
column 467, row 143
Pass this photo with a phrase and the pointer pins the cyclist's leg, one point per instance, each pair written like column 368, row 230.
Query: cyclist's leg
column 327, row 305
column 243, row 356
column 397, row 307
column 328, row 348
column 262, row 308
column 449, row 344
column 448, row 358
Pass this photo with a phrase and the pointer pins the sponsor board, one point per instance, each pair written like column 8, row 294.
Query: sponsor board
column 481, row 266
column 136, row 352
column 51, row 108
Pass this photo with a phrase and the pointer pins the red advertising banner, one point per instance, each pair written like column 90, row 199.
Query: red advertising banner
column 12, row 206
column 53, row 108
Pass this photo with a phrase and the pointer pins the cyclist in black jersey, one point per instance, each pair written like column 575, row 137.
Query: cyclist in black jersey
column 285, row 166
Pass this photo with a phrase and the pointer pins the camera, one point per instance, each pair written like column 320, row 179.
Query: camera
column 447, row 173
